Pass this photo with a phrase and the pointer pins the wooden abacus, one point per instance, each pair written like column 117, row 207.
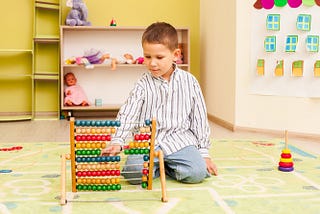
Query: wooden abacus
column 92, row 172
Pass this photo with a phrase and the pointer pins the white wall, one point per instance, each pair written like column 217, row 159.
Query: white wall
column 226, row 75
column 217, row 38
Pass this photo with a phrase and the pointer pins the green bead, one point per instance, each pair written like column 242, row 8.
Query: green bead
column 118, row 186
column 144, row 185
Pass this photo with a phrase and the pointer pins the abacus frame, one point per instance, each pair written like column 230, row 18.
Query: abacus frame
column 71, row 157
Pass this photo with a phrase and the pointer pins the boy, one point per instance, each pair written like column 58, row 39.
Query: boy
column 174, row 98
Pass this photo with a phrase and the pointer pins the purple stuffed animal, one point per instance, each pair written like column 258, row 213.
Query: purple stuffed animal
column 78, row 14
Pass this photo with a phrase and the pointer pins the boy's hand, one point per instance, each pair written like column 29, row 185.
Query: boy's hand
column 111, row 150
column 211, row 167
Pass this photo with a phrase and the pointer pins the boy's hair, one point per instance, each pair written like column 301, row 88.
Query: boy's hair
column 161, row 33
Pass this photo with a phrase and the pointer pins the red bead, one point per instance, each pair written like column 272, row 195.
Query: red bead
column 146, row 137
column 145, row 171
column 137, row 137
column 93, row 138
column 108, row 137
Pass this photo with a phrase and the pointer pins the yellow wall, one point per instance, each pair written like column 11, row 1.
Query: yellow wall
column 17, row 32
column 180, row 13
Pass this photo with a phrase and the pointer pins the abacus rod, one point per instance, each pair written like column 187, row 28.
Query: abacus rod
column 63, row 180
column 72, row 150
column 151, row 155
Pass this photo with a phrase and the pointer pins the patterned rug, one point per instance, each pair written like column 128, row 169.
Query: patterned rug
column 249, row 182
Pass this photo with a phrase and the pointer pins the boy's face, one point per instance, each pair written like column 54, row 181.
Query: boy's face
column 158, row 58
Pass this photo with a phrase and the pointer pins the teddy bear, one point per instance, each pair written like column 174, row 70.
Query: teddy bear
column 78, row 14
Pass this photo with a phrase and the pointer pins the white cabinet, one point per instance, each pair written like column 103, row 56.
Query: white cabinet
column 100, row 81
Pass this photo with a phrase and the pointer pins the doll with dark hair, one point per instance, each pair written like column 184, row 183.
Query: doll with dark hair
column 74, row 94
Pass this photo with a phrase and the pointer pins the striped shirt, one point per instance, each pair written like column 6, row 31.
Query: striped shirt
column 178, row 107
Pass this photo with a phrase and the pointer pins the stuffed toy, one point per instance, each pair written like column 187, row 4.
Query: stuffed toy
column 78, row 14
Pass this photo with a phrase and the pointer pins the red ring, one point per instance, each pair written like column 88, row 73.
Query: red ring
column 286, row 165
column 283, row 155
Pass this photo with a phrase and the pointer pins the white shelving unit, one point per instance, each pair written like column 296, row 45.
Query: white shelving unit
column 100, row 82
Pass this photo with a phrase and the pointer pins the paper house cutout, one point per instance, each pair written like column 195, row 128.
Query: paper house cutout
column 278, row 72
column 273, row 22
column 270, row 44
column 297, row 68
column 316, row 68
column 291, row 43
column 260, row 67
column 312, row 43
column 304, row 22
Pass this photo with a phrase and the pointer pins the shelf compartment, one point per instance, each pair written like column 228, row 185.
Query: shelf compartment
column 45, row 76
column 47, row 5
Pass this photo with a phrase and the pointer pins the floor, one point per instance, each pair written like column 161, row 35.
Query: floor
column 58, row 131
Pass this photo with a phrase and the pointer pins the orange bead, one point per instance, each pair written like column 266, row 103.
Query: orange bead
column 145, row 165
column 144, row 178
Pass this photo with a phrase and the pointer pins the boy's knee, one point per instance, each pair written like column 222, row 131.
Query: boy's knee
column 191, row 175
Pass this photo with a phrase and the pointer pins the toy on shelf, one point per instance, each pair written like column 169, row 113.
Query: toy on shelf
column 94, row 56
column 113, row 22
column 78, row 14
column 286, row 162
column 74, row 94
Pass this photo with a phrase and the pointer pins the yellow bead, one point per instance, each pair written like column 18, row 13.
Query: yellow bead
column 142, row 129
column 144, row 178
column 131, row 145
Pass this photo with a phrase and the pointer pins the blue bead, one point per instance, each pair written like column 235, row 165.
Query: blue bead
column 148, row 122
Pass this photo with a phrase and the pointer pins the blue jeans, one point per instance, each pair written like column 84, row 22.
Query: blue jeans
column 186, row 166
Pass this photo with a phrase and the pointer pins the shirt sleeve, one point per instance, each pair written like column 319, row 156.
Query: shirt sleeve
column 128, row 115
column 200, row 125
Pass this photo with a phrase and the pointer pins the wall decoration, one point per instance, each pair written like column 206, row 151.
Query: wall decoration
column 280, row 3
column 312, row 43
column 278, row 71
column 316, row 69
column 291, row 43
column 270, row 44
column 285, row 52
column 304, row 22
column 273, row 22
column 260, row 67
column 294, row 3
column 308, row 2
column 297, row 68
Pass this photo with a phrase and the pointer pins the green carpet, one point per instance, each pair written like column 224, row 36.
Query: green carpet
column 248, row 182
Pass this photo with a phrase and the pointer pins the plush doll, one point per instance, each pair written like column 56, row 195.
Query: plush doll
column 78, row 14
